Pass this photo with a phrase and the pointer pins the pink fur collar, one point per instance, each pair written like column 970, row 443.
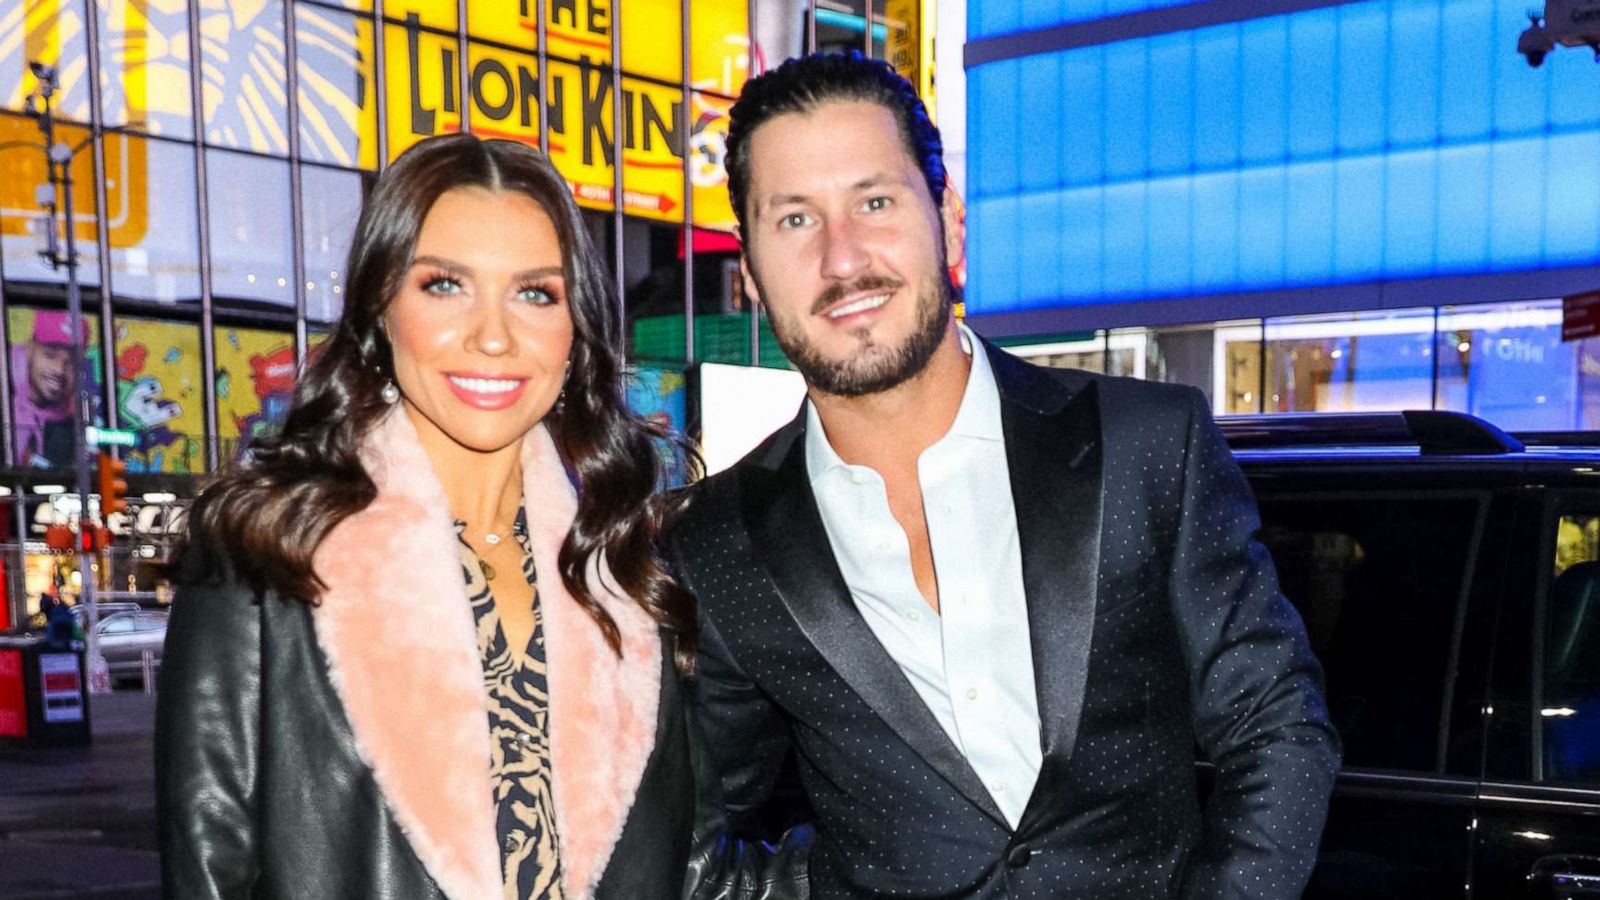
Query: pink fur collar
column 402, row 654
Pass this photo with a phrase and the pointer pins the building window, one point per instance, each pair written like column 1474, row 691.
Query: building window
column 155, row 246
column 251, row 248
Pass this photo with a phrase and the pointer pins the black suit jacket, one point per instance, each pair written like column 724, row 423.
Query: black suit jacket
column 1156, row 624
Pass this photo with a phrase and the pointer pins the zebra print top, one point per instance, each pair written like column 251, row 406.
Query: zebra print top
column 519, row 710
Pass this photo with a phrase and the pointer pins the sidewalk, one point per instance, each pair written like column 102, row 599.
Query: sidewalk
column 80, row 821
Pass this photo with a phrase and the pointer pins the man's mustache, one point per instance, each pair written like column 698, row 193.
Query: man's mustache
column 837, row 291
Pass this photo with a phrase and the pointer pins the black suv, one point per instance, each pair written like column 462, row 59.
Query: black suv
column 1448, row 577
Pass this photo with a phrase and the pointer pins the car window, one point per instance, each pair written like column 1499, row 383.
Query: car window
column 121, row 623
column 149, row 623
column 1379, row 581
column 1569, row 705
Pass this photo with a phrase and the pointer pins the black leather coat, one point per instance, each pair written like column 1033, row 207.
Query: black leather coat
column 262, row 792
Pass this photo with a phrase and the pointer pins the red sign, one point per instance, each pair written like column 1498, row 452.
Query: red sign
column 1580, row 316
column 13, row 702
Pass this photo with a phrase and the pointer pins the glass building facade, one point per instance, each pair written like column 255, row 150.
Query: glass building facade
column 220, row 154
column 1360, row 205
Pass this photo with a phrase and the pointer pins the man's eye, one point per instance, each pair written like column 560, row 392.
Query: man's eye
column 793, row 220
column 878, row 203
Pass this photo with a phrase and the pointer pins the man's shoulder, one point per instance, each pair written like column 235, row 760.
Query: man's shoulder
column 713, row 502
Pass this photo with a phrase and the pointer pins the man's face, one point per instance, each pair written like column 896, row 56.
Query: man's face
column 50, row 378
column 844, row 245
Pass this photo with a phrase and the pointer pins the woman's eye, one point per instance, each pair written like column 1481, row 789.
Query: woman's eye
column 536, row 296
column 443, row 287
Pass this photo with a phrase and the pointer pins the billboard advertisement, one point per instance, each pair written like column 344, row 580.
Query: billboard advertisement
column 255, row 382
column 43, row 384
column 159, row 394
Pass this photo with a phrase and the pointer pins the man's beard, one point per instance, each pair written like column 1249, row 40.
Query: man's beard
column 874, row 367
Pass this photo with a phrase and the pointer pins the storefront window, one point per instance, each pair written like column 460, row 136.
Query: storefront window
column 251, row 258
column 144, row 64
column 159, row 394
column 244, row 81
column 337, row 81
column 1086, row 351
column 44, row 387
column 1184, row 354
column 155, row 251
column 1507, row 363
column 330, row 203
column 1238, row 380
column 1353, row 362
column 255, row 382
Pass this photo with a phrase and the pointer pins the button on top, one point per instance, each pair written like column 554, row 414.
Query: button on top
column 972, row 693
column 1019, row 856
column 914, row 615
column 858, row 478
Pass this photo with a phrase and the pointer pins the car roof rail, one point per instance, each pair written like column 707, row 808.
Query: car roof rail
column 1434, row 432
column 1558, row 438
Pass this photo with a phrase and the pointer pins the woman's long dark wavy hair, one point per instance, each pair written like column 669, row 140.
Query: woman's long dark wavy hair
column 268, row 514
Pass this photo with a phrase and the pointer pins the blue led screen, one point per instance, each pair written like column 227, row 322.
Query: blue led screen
column 1377, row 140
column 991, row 18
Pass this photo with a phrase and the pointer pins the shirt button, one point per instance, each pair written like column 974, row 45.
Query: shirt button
column 972, row 693
column 525, row 738
column 914, row 615
column 858, row 478
column 999, row 787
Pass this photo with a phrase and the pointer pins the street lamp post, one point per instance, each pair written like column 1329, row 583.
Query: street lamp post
column 58, row 159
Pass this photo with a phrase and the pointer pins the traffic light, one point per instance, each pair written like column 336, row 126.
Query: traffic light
column 113, row 489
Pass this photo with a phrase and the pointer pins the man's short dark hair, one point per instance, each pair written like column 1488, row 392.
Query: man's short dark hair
column 801, row 85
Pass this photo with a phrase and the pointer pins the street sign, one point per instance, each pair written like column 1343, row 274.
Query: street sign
column 111, row 437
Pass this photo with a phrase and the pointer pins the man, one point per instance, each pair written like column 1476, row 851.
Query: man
column 990, row 608
column 46, row 387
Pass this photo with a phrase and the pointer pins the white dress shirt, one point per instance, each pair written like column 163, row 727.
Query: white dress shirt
column 971, row 662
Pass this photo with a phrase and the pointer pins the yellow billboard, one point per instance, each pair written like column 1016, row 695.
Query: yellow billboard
column 255, row 382
column 425, row 78
column 159, row 394
column 244, row 96
column 909, row 47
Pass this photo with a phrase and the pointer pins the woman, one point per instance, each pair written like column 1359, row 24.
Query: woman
column 454, row 530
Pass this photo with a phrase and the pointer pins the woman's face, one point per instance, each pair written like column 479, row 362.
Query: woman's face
column 480, row 328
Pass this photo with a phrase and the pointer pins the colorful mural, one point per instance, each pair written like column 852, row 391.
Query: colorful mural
column 255, row 382
column 159, row 394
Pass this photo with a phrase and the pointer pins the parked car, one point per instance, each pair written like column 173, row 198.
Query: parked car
column 1448, row 577
column 104, row 609
column 124, row 638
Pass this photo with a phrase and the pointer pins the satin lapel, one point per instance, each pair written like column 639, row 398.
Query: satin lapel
column 788, row 535
column 1053, row 448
